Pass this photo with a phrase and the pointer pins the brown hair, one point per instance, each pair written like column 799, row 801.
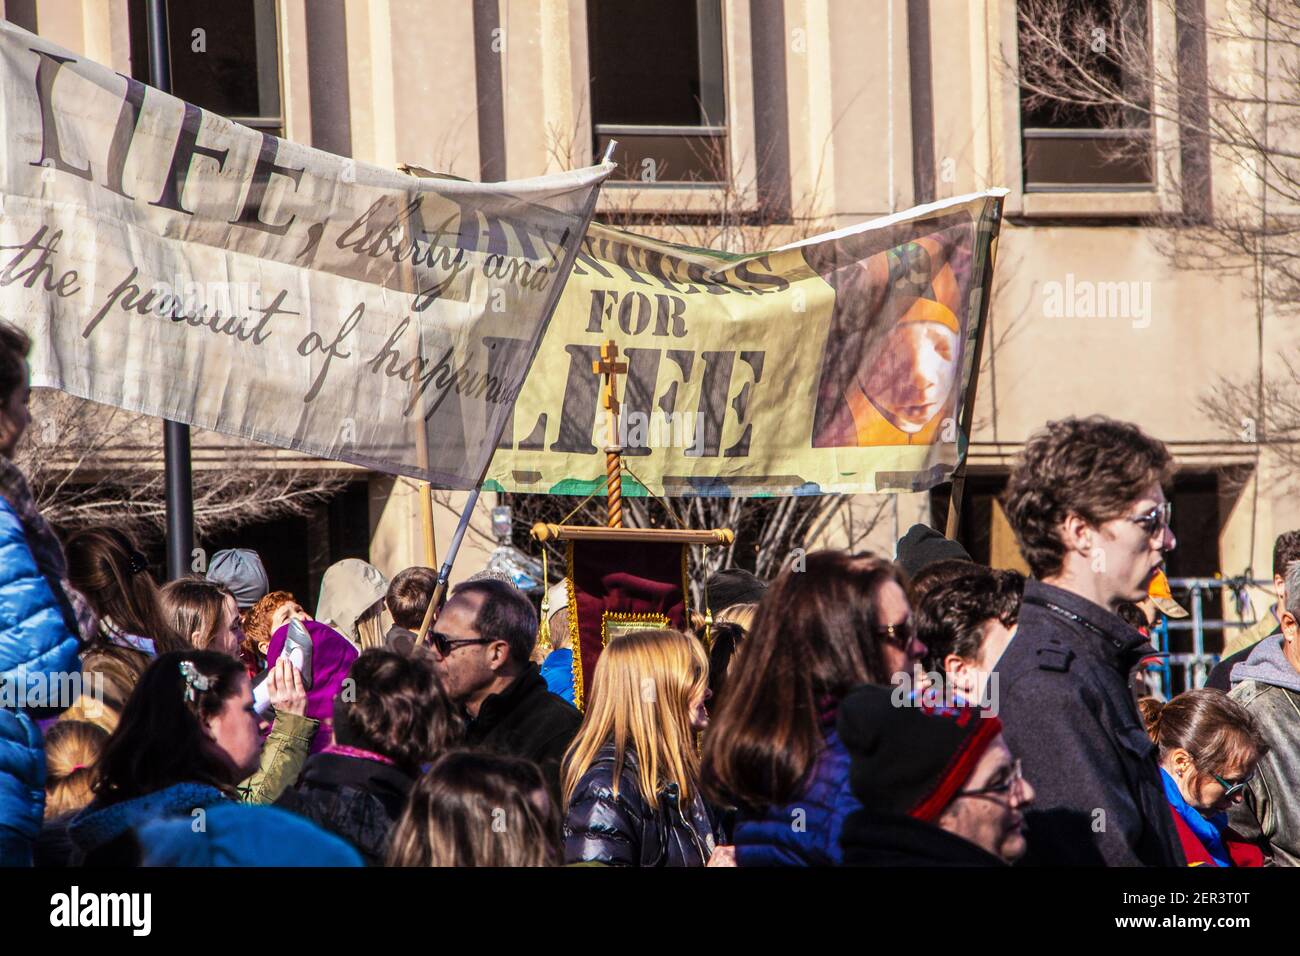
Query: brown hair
column 108, row 569
column 401, row 710
column 195, row 605
column 1212, row 727
column 14, row 346
column 257, row 619
column 1285, row 550
column 71, row 749
column 1092, row 467
column 409, row 594
column 477, row 809
column 815, row 637
column 160, row 739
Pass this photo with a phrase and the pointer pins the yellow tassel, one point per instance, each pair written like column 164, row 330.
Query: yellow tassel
column 544, row 630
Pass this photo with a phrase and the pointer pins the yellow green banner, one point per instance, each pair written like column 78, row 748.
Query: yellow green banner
column 837, row 364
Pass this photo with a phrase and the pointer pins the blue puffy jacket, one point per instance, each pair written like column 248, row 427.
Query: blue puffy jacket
column 805, row 832
column 38, row 655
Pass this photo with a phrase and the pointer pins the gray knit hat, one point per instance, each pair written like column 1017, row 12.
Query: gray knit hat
column 240, row 571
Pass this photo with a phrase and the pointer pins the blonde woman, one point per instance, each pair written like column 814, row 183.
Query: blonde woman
column 71, row 749
column 730, row 628
column 631, row 776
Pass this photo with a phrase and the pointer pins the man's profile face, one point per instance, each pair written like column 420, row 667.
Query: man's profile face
column 464, row 668
column 1130, row 555
column 912, row 377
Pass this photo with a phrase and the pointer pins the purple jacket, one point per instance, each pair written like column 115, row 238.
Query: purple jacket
column 331, row 658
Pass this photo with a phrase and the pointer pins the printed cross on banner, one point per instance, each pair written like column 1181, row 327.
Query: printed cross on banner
column 609, row 366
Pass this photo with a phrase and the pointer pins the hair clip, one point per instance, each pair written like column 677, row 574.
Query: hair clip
column 194, row 679
column 138, row 562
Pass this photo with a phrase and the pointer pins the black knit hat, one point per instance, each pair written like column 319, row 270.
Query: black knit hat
column 922, row 545
column 909, row 759
column 734, row 586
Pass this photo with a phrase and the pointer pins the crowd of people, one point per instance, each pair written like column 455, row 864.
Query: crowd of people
column 854, row 710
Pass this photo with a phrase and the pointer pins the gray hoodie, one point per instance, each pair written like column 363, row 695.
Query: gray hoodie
column 1270, row 689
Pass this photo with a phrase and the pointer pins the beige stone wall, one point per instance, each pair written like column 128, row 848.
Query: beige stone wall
column 413, row 97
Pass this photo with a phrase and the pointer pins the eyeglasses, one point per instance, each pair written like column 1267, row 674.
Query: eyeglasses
column 1155, row 521
column 900, row 635
column 1014, row 779
column 445, row 645
column 1230, row 788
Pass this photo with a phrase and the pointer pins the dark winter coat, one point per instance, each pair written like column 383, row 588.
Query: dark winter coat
column 353, row 797
column 874, row 839
column 628, row 829
column 1067, row 713
column 526, row 720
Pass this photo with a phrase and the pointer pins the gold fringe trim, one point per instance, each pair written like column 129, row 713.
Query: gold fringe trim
column 574, row 643
column 631, row 617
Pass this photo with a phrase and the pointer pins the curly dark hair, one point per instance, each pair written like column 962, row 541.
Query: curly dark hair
column 400, row 710
column 1092, row 467
column 950, row 618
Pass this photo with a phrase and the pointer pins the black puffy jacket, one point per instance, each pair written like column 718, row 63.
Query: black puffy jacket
column 357, row 799
column 627, row 830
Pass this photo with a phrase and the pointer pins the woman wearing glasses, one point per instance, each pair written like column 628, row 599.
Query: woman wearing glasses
column 827, row 624
column 1209, row 748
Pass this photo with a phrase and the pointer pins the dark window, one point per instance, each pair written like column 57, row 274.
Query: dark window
column 657, row 88
column 22, row 13
column 1073, row 138
column 983, row 529
column 224, row 57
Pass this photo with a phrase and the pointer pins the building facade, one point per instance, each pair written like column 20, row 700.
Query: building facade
column 789, row 117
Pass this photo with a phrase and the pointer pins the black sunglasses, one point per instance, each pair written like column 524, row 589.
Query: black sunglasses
column 445, row 645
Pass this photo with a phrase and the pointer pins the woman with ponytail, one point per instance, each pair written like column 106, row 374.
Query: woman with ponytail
column 106, row 567
column 1209, row 748
column 72, row 749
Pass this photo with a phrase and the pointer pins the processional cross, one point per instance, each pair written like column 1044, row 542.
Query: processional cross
column 609, row 366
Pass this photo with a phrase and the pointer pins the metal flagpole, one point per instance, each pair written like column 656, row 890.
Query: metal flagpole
column 444, row 573
column 966, row 422
column 176, row 436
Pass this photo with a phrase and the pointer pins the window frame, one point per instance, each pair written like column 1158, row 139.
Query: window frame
column 274, row 125
column 1095, row 201
column 671, row 198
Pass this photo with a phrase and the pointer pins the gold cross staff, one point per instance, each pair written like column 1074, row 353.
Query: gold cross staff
column 609, row 366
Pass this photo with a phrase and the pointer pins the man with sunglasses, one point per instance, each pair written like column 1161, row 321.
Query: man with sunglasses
column 1086, row 505
column 482, row 643
column 1268, row 686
